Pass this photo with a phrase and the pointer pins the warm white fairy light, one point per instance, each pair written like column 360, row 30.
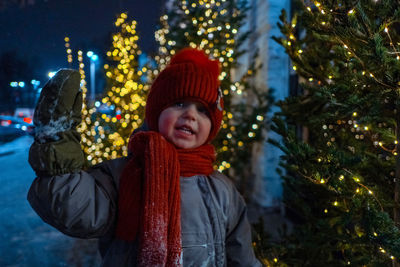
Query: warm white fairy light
column 68, row 49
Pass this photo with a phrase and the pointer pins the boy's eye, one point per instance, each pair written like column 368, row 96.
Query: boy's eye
column 202, row 110
column 179, row 104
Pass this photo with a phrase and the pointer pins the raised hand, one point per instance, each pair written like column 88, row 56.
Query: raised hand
column 59, row 106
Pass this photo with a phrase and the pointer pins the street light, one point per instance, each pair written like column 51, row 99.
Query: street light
column 17, row 84
column 93, row 58
column 35, row 83
column 14, row 84
column 36, row 90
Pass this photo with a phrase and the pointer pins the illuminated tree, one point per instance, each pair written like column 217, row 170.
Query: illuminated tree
column 214, row 27
column 107, row 125
column 341, row 183
column 88, row 126
column 122, row 108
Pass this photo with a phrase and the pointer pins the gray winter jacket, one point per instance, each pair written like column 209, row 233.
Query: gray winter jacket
column 215, row 230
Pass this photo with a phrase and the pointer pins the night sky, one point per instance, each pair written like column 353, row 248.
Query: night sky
column 36, row 32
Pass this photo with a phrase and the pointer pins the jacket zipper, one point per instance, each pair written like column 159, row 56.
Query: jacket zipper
column 192, row 246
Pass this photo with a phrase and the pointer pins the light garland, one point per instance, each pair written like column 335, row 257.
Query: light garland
column 68, row 50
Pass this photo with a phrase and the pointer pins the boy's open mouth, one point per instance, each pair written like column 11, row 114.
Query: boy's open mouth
column 185, row 129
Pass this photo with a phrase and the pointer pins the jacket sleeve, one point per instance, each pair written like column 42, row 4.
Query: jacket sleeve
column 239, row 249
column 81, row 203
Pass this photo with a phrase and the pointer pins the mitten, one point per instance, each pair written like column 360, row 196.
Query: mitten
column 59, row 106
column 57, row 148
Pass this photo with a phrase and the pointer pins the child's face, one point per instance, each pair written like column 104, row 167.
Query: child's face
column 185, row 124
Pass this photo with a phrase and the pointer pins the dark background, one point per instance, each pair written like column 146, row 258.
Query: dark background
column 32, row 35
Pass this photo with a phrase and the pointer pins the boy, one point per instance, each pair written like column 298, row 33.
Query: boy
column 163, row 205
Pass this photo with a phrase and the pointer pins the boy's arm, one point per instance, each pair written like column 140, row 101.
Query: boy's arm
column 239, row 247
column 78, row 203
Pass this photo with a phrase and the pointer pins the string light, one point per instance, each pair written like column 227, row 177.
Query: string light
column 125, row 98
column 361, row 125
column 68, row 49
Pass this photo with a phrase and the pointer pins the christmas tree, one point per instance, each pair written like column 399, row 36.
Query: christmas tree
column 214, row 27
column 341, row 135
column 107, row 127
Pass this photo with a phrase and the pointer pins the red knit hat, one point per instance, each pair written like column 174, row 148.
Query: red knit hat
column 190, row 75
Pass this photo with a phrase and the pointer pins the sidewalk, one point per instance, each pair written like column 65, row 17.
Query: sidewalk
column 25, row 239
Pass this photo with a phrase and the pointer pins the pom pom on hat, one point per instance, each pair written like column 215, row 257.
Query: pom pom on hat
column 190, row 75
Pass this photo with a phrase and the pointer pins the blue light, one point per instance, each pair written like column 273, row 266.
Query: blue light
column 97, row 104
column 14, row 84
column 35, row 82
column 90, row 54
column 94, row 57
column 21, row 84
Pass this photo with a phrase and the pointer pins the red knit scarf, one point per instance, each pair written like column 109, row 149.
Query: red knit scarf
column 149, row 196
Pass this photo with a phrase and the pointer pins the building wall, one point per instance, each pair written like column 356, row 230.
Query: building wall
column 263, row 19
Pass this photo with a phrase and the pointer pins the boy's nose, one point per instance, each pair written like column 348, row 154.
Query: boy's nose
column 190, row 112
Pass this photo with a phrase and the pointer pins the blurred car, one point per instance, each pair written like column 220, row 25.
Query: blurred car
column 24, row 113
column 12, row 127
